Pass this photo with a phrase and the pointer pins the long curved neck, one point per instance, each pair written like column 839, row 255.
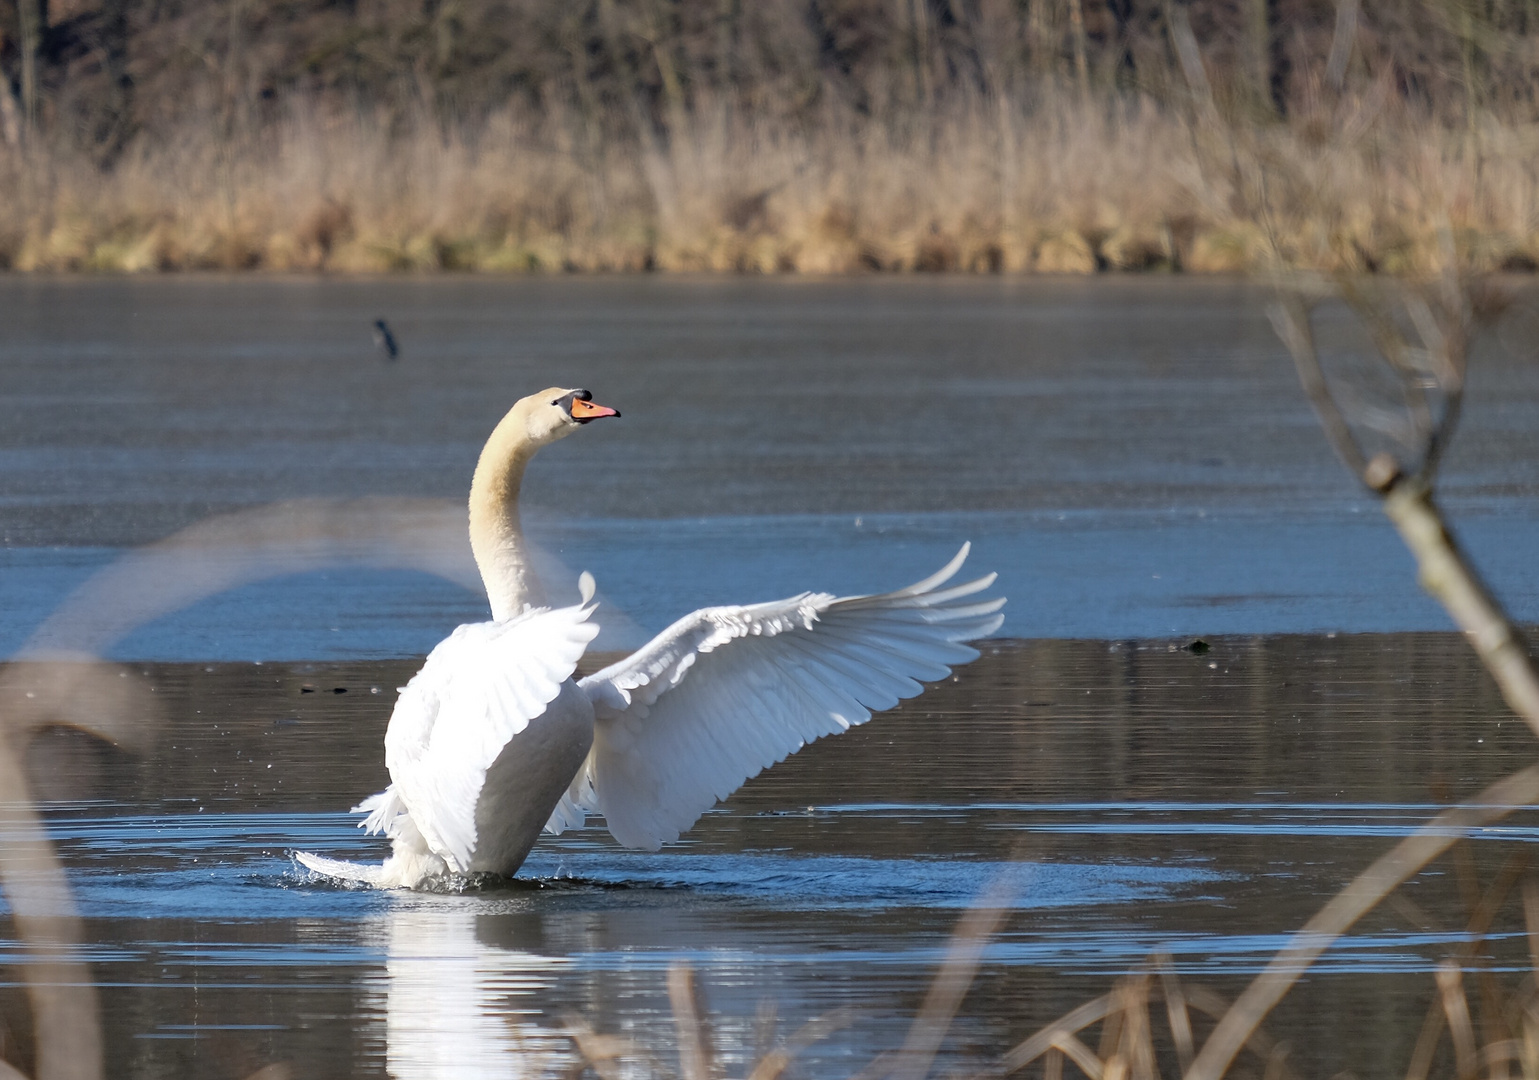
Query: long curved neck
column 495, row 536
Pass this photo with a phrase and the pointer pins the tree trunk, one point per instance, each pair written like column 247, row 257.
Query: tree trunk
column 10, row 115
column 116, row 124
column 33, row 17
column 1259, row 34
column 1081, row 62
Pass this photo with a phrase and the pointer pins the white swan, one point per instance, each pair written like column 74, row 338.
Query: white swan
column 493, row 740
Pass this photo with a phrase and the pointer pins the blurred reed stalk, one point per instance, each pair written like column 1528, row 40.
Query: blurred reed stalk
column 60, row 986
column 1122, row 1035
column 1128, row 1045
column 58, row 681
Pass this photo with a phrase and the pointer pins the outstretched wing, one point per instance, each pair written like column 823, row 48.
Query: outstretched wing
column 729, row 691
column 479, row 687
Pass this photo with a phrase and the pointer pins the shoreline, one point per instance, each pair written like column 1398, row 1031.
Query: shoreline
column 1069, row 256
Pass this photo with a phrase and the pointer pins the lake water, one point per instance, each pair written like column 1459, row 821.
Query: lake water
column 220, row 487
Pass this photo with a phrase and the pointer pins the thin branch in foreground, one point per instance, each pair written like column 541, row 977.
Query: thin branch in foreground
column 59, row 983
column 1276, row 1063
column 1052, row 1065
column 1447, row 574
column 1493, row 1023
column 1175, row 1010
column 1456, row 1007
column 1531, row 920
column 1445, row 328
column 609, row 1055
column 950, row 985
column 1136, row 1045
column 1291, row 319
column 1387, row 873
column 1499, row 1021
column 1257, row 1041
column 1127, row 1040
column 697, row 1058
column 278, row 1070
column 1034, row 1047
column 604, row 1054
column 1425, row 350
column 775, row 1062
column 1427, row 1042
column 1080, row 1054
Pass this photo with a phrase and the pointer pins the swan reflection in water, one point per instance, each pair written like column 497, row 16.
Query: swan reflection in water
column 455, row 1006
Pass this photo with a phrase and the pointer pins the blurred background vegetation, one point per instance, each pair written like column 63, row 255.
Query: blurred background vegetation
column 821, row 136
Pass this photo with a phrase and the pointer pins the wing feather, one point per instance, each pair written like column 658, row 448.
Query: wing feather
column 479, row 687
column 728, row 691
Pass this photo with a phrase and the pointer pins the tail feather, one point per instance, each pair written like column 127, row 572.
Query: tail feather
column 342, row 870
column 410, row 864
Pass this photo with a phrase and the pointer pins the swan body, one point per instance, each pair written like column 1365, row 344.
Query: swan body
column 493, row 740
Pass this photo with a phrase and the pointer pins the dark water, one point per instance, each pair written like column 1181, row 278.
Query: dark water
column 200, row 474
column 1135, row 797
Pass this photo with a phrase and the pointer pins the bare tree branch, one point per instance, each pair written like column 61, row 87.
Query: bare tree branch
column 1447, row 575
column 1291, row 319
column 1388, row 872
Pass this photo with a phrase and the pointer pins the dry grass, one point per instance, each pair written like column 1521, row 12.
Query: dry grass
column 1065, row 187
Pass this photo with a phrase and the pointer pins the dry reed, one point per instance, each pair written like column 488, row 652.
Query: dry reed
column 1066, row 186
column 779, row 136
column 1121, row 1035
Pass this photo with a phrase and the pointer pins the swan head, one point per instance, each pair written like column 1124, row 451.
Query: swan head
column 556, row 413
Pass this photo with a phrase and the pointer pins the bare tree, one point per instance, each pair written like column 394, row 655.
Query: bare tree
column 32, row 15
column 1422, row 332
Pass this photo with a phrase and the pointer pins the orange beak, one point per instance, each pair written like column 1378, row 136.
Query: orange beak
column 587, row 410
